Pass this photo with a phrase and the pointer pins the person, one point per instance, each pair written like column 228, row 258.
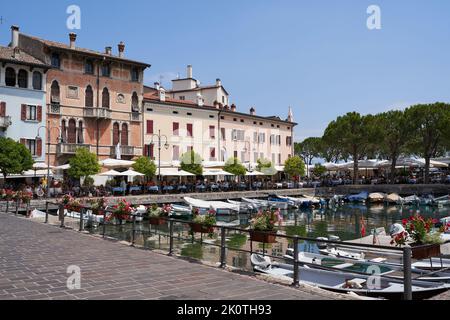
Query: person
column 123, row 185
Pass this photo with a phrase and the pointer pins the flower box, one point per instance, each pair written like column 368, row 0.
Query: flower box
column 425, row 251
column 264, row 237
column 156, row 221
column 201, row 228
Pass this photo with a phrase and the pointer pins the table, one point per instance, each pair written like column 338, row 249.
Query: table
column 135, row 189
column 153, row 188
column 118, row 189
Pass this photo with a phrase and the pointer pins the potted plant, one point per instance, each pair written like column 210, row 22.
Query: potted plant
column 121, row 211
column 156, row 215
column 74, row 205
column 98, row 206
column 66, row 200
column 203, row 223
column 8, row 195
column 418, row 232
column 263, row 226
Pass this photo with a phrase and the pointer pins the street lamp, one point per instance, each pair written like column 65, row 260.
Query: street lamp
column 249, row 157
column 160, row 139
column 49, row 129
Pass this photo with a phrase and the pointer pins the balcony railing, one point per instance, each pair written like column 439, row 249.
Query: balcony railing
column 70, row 148
column 124, row 151
column 98, row 113
column 54, row 109
column 5, row 122
column 135, row 116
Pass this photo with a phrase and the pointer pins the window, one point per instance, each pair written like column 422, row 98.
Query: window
column 262, row 138
column 255, row 136
column 234, row 119
column 273, row 158
column 64, row 131
column 31, row 113
column 116, row 132
column 182, row 98
column 212, row 132
column 279, row 140
column 211, row 117
column 149, row 126
column 235, row 154
column 31, row 145
column 56, row 60
column 175, row 112
column 10, row 77
column 212, row 154
column 80, row 138
column 189, row 130
column 149, row 151
column 72, row 92
column 175, row 127
column 23, row 79
column 242, row 120
column 106, row 70
column 190, row 148
column 124, row 135
column 176, row 153
column 89, row 97
column 223, row 99
column 255, row 157
column 279, row 158
column 54, row 93
column 37, row 80
column 223, row 134
column 105, row 98
column 135, row 74
column 72, row 132
column 238, row 135
column 242, row 156
column 222, row 117
column 89, row 67
column 189, row 114
column 135, row 102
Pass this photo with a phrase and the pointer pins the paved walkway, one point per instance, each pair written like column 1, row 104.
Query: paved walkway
column 34, row 258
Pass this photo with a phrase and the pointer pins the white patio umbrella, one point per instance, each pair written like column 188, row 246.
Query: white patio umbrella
column 116, row 163
column 174, row 172
column 254, row 173
column 111, row 173
column 330, row 166
column 40, row 166
column 63, row 167
column 132, row 173
column 216, row 172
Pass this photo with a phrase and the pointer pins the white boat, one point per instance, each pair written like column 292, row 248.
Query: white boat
column 244, row 207
column 442, row 201
column 219, row 207
column 413, row 200
column 36, row 214
column 179, row 211
column 334, row 252
column 262, row 204
column 304, row 201
column 344, row 282
column 376, row 197
column 393, row 198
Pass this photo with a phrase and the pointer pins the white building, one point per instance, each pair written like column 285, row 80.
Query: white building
column 22, row 98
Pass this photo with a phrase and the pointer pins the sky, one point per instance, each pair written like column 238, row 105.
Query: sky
column 319, row 57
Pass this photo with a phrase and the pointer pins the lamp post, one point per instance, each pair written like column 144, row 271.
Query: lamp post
column 49, row 129
column 249, row 156
column 160, row 139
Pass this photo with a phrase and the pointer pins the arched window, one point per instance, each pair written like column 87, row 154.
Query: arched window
column 135, row 102
column 105, row 98
column 10, row 77
column 23, row 79
column 54, row 95
column 80, row 139
column 64, row 131
column 89, row 97
column 37, row 80
column 124, row 135
column 116, row 134
column 72, row 132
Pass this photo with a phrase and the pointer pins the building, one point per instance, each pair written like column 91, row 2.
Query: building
column 23, row 98
column 94, row 98
column 215, row 131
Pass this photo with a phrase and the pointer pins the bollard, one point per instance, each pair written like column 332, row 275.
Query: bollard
column 223, row 251
column 170, row 237
column 46, row 211
column 407, row 279
column 133, row 231
column 61, row 215
column 81, row 219
column 296, row 280
column 104, row 223
column 17, row 207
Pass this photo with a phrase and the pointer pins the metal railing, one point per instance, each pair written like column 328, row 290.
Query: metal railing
column 70, row 148
column 135, row 116
column 5, row 122
column 124, row 150
column 99, row 113
column 54, row 108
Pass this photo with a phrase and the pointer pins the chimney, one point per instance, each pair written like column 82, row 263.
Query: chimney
column 233, row 107
column 252, row 111
column 14, row 36
column 72, row 38
column 218, row 83
column 216, row 104
column 199, row 100
column 108, row 50
column 189, row 72
column 156, row 84
column 121, row 47
column 162, row 94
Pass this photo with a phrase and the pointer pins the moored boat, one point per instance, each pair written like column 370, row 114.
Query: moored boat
column 393, row 198
column 376, row 197
column 360, row 197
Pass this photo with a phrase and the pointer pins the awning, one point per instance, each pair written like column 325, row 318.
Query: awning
column 29, row 174
column 111, row 173
column 215, row 172
column 41, row 165
column 115, row 163
column 173, row 172
column 254, row 173
column 213, row 164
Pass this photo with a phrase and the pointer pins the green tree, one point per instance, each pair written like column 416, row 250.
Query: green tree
column 192, row 163
column 234, row 166
column 431, row 131
column 145, row 166
column 352, row 134
column 83, row 164
column 15, row 158
column 294, row 167
column 265, row 166
column 319, row 170
column 308, row 149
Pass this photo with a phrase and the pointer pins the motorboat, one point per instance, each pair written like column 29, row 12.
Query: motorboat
column 344, row 282
column 335, row 252
column 245, row 207
column 180, row 211
column 304, row 201
column 411, row 200
column 376, row 197
column 442, row 201
column 219, row 207
column 260, row 204
column 426, row 200
column 393, row 198
column 360, row 197
column 282, row 202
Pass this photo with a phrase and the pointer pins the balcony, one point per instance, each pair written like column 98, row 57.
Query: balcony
column 97, row 113
column 69, row 148
column 54, row 109
column 135, row 116
column 5, row 122
column 124, row 151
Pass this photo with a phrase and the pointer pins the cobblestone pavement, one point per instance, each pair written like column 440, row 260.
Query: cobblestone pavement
column 34, row 258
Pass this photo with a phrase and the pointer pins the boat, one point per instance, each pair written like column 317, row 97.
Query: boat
column 376, row 197
column 279, row 203
column 219, row 207
column 411, row 200
column 261, row 204
column 36, row 214
column 441, row 201
column 245, row 207
column 305, row 201
column 335, row 252
column 426, row 200
column 344, row 282
column 393, row 198
column 360, row 197
column 180, row 212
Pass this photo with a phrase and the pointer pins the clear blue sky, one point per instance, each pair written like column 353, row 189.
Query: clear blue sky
column 316, row 56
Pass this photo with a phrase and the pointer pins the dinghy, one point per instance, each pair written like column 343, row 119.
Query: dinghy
column 411, row 200
column 442, row 201
column 219, row 207
column 244, row 207
column 426, row 200
column 360, row 197
column 393, row 198
column 280, row 202
column 180, row 212
column 376, row 197
column 261, row 204
column 344, row 282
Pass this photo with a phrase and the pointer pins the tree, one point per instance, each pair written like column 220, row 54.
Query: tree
column 83, row 164
column 15, row 158
column 234, row 166
column 308, row 149
column 145, row 166
column 319, row 170
column 352, row 134
column 265, row 166
column 192, row 163
column 431, row 131
column 294, row 167
column 394, row 132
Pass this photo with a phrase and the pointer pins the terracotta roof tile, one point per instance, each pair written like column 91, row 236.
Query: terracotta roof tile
column 20, row 57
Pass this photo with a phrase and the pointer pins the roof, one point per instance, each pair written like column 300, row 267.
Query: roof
column 65, row 47
column 199, row 88
column 20, row 57
column 154, row 96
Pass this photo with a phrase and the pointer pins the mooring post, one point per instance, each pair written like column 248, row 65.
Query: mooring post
column 104, row 223
column 17, row 207
column 296, row 279
column 61, row 215
column 81, row 219
column 46, row 211
column 170, row 237
column 133, row 231
column 407, row 279
column 223, row 251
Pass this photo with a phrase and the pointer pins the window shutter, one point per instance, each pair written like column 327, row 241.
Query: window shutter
column 39, row 147
column 23, row 141
column 146, row 150
column 23, row 113
column 149, row 126
column 2, row 109
column 175, row 128
column 152, row 154
column 189, row 130
column 39, row 113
